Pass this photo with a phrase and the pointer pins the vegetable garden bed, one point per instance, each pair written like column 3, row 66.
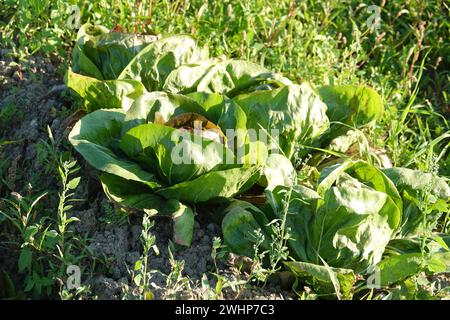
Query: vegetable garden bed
column 222, row 150
column 150, row 99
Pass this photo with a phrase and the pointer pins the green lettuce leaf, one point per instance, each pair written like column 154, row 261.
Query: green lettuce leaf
column 157, row 60
column 295, row 111
column 232, row 77
column 186, row 78
column 418, row 189
column 351, row 104
column 80, row 62
column 96, row 137
column 325, row 280
column 214, row 185
column 109, row 52
column 178, row 156
column 244, row 226
column 135, row 195
column 104, row 94
column 396, row 268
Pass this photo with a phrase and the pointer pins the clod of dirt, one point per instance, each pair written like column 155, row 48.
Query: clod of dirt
column 87, row 221
column 107, row 288
column 113, row 244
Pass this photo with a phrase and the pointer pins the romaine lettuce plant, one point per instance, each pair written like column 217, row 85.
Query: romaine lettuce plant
column 153, row 152
column 346, row 224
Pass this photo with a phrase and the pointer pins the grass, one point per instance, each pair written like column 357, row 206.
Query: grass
column 406, row 59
